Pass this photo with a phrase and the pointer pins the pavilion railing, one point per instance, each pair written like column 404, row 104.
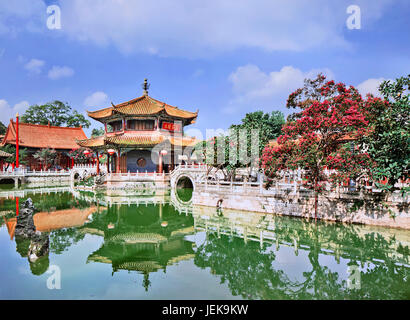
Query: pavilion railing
column 137, row 176
column 40, row 173
column 88, row 166
column 193, row 167
column 291, row 181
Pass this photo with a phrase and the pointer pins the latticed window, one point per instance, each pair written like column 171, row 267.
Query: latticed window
column 114, row 126
column 140, row 124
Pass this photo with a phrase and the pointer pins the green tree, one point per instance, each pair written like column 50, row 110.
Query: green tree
column 3, row 128
column 269, row 126
column 57, row 113
column 237, row 149
column 23, row 154
column 389, row 140
column 46, row 156
column 77, row 120
column 221, row 153
column 97, row 132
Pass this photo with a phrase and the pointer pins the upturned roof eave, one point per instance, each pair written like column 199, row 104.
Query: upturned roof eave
column 191, row 116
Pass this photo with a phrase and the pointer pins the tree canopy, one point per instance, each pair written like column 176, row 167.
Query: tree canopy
column 315, row 138
column 389, row 140
column 23, row 154
column 269, row 126
column 97, row 132
column 3, row 128
column 46, row 156
column 242, row 145
column 56, row 113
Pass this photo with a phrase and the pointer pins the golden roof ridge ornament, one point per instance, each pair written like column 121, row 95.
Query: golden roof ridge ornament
column 145, row 87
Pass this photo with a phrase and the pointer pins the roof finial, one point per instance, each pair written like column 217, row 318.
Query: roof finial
column 145, row 86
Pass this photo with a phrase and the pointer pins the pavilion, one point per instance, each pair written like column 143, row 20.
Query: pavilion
column 142, row 135
column 35, row 137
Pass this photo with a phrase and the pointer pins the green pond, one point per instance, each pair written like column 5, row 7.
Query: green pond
column 159, row 246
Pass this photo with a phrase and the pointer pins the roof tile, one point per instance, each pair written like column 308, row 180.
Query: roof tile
column 143, row 105
column 43, row 136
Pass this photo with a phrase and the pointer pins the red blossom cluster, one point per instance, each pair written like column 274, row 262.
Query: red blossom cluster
column 79, row 156
column 320, row 137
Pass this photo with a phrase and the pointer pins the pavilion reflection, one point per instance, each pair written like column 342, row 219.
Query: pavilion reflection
column 141, row 238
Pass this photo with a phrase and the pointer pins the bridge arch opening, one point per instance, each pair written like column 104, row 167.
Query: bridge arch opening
column 184, row 188
column 7, row 181
column 184, row 182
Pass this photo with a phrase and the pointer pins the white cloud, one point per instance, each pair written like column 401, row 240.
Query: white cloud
column 58, row 72
column 7, row 112
column 34, row 66
column 254, row 88
column 97, row 99
column 191, row 29
column 370, row 86
column 187, row 28
column 22, row 15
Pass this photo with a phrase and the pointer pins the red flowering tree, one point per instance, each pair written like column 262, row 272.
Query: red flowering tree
column 79, row 156
column 318, row 137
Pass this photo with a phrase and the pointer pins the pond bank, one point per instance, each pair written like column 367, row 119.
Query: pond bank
column 354, row 207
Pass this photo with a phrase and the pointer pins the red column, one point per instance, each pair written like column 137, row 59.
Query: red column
column 17, row 206
column 108, row 163
column 160, row 163
column 17, row 140
column 98, row 163
column 118, row 161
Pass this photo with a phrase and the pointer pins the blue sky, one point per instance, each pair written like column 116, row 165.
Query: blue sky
column 224, row 58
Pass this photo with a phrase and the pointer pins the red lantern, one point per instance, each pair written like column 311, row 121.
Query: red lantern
column 111, row 151
column 86, row 152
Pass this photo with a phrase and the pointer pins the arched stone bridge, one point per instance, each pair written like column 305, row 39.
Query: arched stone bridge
column 82, row 170
column 194, row 172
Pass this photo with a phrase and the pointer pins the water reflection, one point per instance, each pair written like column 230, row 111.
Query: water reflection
column 141, row 238
column 256, row 256
column 242, row 249
column 30, row 242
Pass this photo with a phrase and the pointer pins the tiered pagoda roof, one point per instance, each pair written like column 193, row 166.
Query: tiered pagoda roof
column 144, row 105
column 43, row 136
column 137, row 140
column 141, row 106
